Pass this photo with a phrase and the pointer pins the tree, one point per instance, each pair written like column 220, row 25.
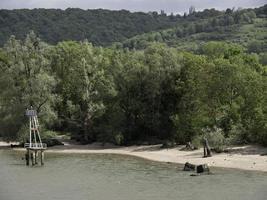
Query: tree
column 255, row 47
column 191, row 116
column 79, row 24
column 229, row 20
column 228, row 11
column 27, row 81
column 84, row 84
column 215, row 22
column 162, row 13
column 192, row 10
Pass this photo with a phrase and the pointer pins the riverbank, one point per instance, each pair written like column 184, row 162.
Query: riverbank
column 6, row 144
column 249, row 157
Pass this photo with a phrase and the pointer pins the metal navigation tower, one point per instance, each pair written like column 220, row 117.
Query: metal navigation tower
column 35, row 145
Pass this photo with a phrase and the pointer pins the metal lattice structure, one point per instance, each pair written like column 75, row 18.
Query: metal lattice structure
column 35, row 147
column 35, row 141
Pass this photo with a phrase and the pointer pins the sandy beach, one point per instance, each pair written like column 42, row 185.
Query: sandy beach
column 6, row 144
column 250, row 157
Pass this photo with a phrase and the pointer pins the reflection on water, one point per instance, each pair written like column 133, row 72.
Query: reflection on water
column 116, row 177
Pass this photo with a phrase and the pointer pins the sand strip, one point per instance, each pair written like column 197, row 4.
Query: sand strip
column 248, row 157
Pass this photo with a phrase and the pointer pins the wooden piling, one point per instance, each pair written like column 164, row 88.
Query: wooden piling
column 42, row 157
column 35, row 157
column 32, row 158
column 27, row 157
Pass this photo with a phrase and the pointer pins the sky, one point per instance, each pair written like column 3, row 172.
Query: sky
column 175, row 6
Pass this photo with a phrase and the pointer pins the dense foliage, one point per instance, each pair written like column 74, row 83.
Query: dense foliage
column 122, row 96
column 246, row 27
column 101, row 27
column 173, row 85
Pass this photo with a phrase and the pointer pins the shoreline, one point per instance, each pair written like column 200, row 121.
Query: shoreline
column 249, row 157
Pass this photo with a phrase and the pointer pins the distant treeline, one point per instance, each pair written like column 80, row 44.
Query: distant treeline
column 122, row 96
column 215, row 26
column 103, row 27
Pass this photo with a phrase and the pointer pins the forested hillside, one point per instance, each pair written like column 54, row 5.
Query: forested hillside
column 101, row 27
column 246, row 27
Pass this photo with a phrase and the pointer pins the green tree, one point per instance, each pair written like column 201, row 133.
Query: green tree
column 26, row 81
column 84, row 84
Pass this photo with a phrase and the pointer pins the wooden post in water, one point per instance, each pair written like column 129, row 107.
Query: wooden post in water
column 32, row 158
column 42, row 157
column 27, row 157
column 36, row 155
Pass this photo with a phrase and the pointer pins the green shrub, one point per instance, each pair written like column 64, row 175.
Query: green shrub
column 237, row 136
column 52, row 142
column 168, row 144
column 23, row 134
column 47, row 134
column 118, row 139
column 197, row 141
column 264, row 139
column 216, row 139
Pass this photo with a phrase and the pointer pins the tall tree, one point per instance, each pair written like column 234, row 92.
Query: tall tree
column 27, row 81
column 84, row 84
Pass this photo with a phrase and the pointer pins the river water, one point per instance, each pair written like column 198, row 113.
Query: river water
column 117, row 177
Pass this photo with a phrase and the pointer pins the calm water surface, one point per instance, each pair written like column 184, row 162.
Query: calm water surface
column 116, row 177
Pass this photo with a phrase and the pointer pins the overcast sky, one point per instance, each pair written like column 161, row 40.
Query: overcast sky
column 176, row 6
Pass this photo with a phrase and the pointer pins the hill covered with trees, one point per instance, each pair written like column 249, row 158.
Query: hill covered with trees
column 101, row 27
column 104, row 27
column 246, row 27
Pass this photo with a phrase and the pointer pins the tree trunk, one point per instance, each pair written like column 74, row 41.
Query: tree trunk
column 207, row 150
column 87, row 127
